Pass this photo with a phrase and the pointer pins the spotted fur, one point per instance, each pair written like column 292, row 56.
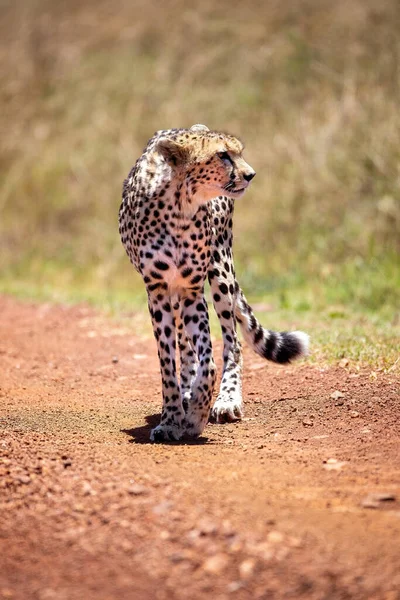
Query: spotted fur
column 175, row 223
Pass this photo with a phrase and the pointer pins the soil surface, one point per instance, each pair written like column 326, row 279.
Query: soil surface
column 299, row 500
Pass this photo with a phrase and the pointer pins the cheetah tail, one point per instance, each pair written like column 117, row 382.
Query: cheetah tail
column 278, row 347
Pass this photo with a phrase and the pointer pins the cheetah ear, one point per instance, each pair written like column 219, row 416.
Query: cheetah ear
column 174, row 153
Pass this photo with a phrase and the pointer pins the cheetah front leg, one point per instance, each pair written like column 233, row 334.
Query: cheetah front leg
column 172, row 416
column 195, row 319
column 228, row 405
column 188, row 357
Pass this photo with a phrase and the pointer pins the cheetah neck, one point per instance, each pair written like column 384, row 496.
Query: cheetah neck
column 176, row 188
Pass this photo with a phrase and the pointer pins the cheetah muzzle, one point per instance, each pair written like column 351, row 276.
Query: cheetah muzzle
column 175, row 223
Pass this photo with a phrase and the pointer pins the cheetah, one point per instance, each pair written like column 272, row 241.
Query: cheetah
column 175, row 222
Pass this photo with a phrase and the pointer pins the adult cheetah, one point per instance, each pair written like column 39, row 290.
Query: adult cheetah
column 175, row 223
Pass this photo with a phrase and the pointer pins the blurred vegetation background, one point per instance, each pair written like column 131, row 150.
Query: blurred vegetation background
column 312, row 87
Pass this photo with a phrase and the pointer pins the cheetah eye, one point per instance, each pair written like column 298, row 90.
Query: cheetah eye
column 224, row 156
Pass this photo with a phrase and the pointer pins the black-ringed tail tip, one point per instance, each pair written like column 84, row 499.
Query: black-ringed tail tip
column 280, row 347
column 286, row 346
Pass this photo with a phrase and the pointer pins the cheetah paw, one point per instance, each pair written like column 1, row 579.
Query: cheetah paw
column 166, row 433
column 195, row 424
column 226, row 411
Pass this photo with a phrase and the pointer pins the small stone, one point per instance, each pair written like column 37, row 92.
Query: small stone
column 294, row 542
column 275, row 537
column 368, row 503
column 265, row 550
column 24, row 479
column 333, row 464
column 215, row 564
column 384, row 497
column 137, row 490
column 115, row 359
column 234, row 586
column 354, row 414
column 336, row 395
column 163, row 508
column 177, row 557
column 87, row 489
column 126, row 545
column 227, row 529
column 374, row 500
column 207, row 527
column 235, row 545
column 343, row 363
column 308, row 422
column 246, row 568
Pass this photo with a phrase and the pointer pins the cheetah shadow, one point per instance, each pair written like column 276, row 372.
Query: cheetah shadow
column 141, row 435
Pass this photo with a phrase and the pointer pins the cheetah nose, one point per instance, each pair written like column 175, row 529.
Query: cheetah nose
column 249, row 176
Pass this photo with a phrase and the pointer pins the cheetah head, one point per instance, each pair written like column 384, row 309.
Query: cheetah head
column 210, row 163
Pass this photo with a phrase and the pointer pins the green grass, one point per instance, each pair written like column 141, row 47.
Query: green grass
column 357, row 322
column 312, row 88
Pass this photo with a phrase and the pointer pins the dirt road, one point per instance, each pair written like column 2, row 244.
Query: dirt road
column 300, row 500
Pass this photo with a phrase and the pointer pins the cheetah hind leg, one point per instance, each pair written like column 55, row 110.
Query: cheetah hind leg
column 189, row 362
column 228, row 405
column 195, row 315
column 171, row 425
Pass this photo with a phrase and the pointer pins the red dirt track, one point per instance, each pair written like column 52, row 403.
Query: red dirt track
column 300, row 500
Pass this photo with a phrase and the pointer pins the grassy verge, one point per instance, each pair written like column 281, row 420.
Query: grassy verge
column 350, row 316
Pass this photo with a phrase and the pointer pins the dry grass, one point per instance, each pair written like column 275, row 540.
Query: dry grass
column 311, row 86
